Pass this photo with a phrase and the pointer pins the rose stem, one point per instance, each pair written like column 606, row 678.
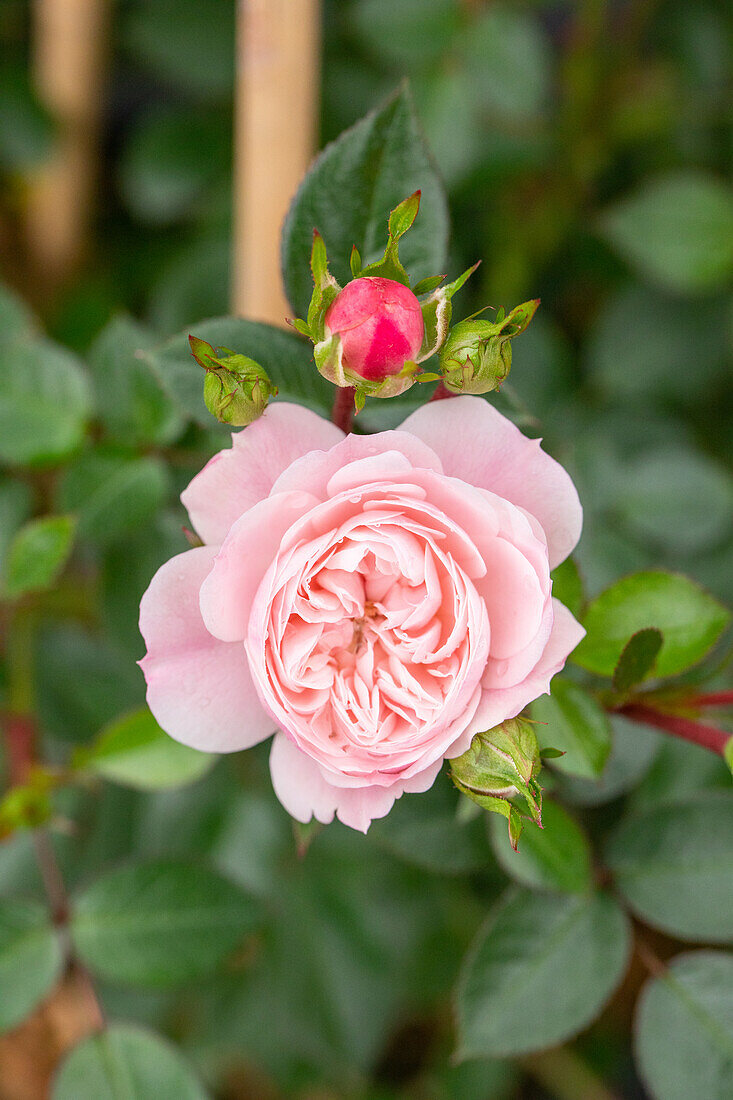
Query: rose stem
column 440, row 393
column 711, row 699
column 343, row 408
column 709, row 737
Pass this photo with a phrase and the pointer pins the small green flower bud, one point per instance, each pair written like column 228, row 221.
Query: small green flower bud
column 236, row 388
column 498, row 772
column 477, row 355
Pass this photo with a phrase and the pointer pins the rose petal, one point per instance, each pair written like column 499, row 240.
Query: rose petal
column 479, row 445
column 247, row 552
column 199, row 689
column 300, row 786
column 314, row 471
column 497, row 704
column 236, row 479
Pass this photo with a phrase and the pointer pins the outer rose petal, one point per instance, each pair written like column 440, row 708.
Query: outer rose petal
column 229, row 589
column 479, row 445
column 234, row 480
column 497, row 704
column 301, row 788
column 199, row 689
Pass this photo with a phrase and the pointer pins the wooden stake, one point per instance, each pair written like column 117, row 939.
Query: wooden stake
column 276, row 102
column 69, row 48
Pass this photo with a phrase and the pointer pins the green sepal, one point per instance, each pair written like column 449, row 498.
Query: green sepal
column 437, row 311
column 325, row 289
column 355, row 262
column 390, row 266
column 728, row 753
column 427, row 286
column 477, row 354
column 498, row 772
column 236, row 388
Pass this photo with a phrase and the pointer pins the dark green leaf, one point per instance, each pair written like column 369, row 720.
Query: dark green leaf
column 129, row 398
column 45, row 401
column 170, row 158
column 184, row 44
column 286, row 357
column 375, row 165
column 407, row 32
column 16, row 320
column 160, row 924
column 672, row 863
column 684, row 1029
column 677, row 230
column 37, row 555
column 424, row 830
column 16, row 503
column 556, row 857
column 539, row 972
column 571, row 720
column 125, row 1062
column 633, row 750
column 30, row 959
column 113, row 494
column 637, row 659
column 690, row 620
column 507, row 59
column 83, row 682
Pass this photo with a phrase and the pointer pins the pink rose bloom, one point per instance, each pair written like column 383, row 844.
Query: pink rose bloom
column 381, row 326
column 373, row 601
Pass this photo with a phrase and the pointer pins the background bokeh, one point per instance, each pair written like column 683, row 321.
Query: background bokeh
column 586, row 151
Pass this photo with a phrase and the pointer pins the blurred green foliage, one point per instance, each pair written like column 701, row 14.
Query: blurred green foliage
column 585, row 148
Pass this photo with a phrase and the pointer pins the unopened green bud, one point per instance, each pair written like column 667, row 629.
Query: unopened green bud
column 477, row 355
column 236, row 388
column 499, row 772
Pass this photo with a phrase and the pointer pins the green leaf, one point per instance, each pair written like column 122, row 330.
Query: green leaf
column 646, row 344
column 632, row 754
column 135, row 752
column 637, row 659
column 690, row 620
column 677, row 230
column 684, row 1029
column 567, row 586
column 556, row 857
column 83, row 682
column 508, row 63
column 26, row 134
column 348, row 195
column 38, row 554
column 571, row 720
column 45, row 401
column 160, row 924
column 131, row 403
column 286, row 357
column 125, row 1062
column 672, row 864
column 16, row 320
column 112, row 494
column 169, row 159
column 16, row 505
column 30, row 959
column 542, row 968
column 424, row 830
column 184, row 44
column 656, row 482
column 408, row 33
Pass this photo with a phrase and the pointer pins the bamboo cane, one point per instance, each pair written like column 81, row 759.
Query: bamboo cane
column 69, row 49
column 276, row 103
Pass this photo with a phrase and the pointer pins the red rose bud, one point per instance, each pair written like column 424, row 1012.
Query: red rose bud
column 380, row 325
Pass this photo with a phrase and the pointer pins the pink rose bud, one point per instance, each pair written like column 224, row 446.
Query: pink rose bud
column 381, row 326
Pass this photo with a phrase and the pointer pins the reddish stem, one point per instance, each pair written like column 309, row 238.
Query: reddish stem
column 440, row 393
column 711, row 699
column 20, row 735
column 343, row 408
column 709, row 737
